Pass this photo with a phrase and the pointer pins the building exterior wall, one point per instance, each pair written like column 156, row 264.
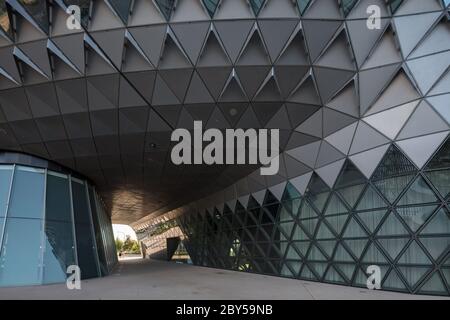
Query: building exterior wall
column 49, row 221
column 398, row 220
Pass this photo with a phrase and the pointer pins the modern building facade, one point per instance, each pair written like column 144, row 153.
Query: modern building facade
column 359, row 90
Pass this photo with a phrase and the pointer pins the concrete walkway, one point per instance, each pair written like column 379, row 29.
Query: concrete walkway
column 150, row 279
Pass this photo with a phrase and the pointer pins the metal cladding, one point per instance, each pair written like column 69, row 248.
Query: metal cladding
column 103, row 100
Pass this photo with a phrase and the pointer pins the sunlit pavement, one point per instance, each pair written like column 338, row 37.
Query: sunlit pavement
column 149, row 279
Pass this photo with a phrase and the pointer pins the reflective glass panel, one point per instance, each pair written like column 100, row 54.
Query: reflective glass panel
column 5, row 183
column 28, row 185
column 20, row 257
column 85, row 241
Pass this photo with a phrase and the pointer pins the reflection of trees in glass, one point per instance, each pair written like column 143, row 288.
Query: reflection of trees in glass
column 38, row 10
column 4, row 19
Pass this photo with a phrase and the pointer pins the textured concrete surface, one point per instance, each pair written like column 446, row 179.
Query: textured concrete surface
column 150, row 279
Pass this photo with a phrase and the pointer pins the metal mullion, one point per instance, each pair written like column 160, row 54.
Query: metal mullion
column 7, row 208
column 92, row 229
column 42, row 247
column 73, row 222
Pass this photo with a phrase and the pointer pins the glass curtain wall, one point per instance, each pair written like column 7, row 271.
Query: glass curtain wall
column 399, row 220
column 49, row 221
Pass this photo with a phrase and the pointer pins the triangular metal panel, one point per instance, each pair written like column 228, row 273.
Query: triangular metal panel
column 420, row 149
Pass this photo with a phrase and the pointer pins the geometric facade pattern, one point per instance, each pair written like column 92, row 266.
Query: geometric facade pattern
column 104, row 99
column 399, row 220
column 50, row 220
column 359, row 110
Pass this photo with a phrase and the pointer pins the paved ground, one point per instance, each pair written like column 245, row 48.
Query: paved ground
column 150, row 279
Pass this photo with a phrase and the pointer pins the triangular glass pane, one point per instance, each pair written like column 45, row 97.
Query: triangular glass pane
column 327, row 246
column 351, row 194
column 347, row 6
column 371, row 219
column 286, row 229
column 392, row 226
column 300, row 234
column 414, row 255
column 269, row 213
column 337, row 223
column 394, row 5
column 371, row 200
column 319, row 267
column 354, row 230
column 436, row 246
column 361, row 278
column 292, row 207
column 392, row 187
column 309, row 225
column 286, row 271
column 39, row 11
column 347, row 269
column 373, row 255
column 393, row 246
column 307, row 274
column 333, row 276
column 418, row 192
column 350, row 176
column 439, row 224
column 335, row 206
column 285, row 214
column 303, row 5
column 446, row 273
column 211, row 6
column 434, row 285
column 270, row 198
column 342, row 254
column 302, row 246
column 290, row 192
column 252, row 203
column 415, row 217
column 316, row 185
column 442, row 158
column 307, row 211
column 356, row 246
column 394, row 163
column 315, row 254
column 122, row 8
column 319, row 200
column 257, row 5
column 440, row 180
column 324, row 232
column 292, row 254
column 393, row 281
column 166, row 7
column 413, row 274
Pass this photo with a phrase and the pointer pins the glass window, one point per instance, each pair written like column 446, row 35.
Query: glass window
column 122, row 8
column 28, row 184
column 38, row 10
column 257, row 5
column 5, row 183
column 98, row 232
column 20, row 257
column 303, row 5
column 347, row 6
column 59, row 251
column 85, row 242
column 166, row 7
